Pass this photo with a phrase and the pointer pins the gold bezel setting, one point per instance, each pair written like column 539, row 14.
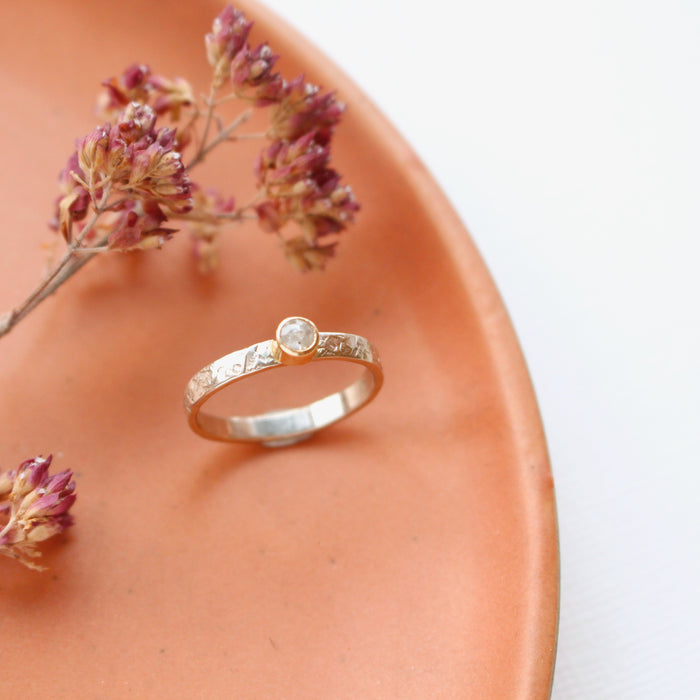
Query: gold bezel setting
column 297, row 338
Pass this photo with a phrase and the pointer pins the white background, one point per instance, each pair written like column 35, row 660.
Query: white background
column 566, row 135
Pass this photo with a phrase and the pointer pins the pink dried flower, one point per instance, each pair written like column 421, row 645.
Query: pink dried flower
column 138, row 84
column 285, row 162
column 305, row 108
column 126, row 180
column 73, row 202
column 228, row 36
column 134, row 123
column 131, row 86
column 157, row 171
column 28, row 476
column 171, row 96
column 139, row 225
column 35, row 507
column 297, row 185
column 134, row 159
column 144, row 161
column 253, row 78
column 306, row 256
column 92, row 153
column 6, row 484
column 209, row 205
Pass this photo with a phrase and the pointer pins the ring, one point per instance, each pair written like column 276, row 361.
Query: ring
column 296, row 342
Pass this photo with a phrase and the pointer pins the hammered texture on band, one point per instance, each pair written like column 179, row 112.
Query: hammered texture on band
column 265, row 355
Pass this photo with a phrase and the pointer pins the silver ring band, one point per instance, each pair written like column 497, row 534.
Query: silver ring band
column 297, row 342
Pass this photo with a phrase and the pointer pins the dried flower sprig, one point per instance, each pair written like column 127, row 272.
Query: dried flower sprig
column 33, row 507
column 128, row 184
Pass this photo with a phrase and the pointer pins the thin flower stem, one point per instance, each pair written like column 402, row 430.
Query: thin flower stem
column 238, row 215
column 66, row 267
column 194, row 115
column 228, row 98
column 115, row 204
column 255, row 135
column 223, row 135
column 207, row 119
column 97, row 249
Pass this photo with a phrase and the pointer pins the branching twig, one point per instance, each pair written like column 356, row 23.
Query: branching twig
column 128, row 178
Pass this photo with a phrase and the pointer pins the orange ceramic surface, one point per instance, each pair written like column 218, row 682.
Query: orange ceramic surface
column 408, row 552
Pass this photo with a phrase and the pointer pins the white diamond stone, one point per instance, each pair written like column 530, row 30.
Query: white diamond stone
column 297, row 335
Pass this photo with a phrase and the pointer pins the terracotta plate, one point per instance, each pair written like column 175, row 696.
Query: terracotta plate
column 409, row 552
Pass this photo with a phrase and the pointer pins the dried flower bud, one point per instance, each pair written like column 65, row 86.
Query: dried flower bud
column 139, row 225
column 209, row 205
column 74, row 200
column 253, row 79
column 171, row 96
column 36, row 508
column 304, row 109
column 48, row 528
column 137, row 121
column 92, row 152
column 284, row 162
column 7, row 481
column 307, row 256
column 131, row 86
column 228, row 36
column 138, row 84
column 272, row 215
column 297, row 185
column 145, row 162
column 29, row 475
column 133, row 158
column 157, row 171
column 55, row 498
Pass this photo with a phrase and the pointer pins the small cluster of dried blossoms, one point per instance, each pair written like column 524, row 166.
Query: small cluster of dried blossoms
column 33, row 507
column 128, row 185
